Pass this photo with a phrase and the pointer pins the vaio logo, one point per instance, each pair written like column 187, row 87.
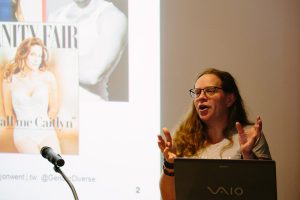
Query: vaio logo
column 230, row 191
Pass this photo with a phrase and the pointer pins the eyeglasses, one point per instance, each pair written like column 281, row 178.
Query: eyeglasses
column 208, row 91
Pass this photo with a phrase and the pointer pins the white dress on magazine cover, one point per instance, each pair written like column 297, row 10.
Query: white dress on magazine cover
column 33, row 124
column 102, row 37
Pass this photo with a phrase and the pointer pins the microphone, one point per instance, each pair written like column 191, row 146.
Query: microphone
column 57, row 161
column 54, row 158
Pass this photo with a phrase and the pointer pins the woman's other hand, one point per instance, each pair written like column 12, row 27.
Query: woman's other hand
column 166, row 146
column 249, row 137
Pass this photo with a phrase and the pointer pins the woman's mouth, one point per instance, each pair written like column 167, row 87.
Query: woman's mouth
column 203, row 107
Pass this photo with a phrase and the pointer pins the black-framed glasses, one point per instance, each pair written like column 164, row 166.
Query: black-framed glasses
column 208, row 91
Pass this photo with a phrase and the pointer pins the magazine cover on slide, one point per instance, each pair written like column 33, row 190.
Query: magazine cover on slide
column 39, row 87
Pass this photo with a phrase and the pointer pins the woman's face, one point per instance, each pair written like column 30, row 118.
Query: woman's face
column 213, row 106
column 34, row 58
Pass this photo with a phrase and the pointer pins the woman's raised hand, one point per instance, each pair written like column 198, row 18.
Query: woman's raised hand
column 249, row 137
column 166, row 146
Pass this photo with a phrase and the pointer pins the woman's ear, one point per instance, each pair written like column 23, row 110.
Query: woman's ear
column 230, row 99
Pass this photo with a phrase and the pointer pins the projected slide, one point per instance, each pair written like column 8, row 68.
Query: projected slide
column 95, row 98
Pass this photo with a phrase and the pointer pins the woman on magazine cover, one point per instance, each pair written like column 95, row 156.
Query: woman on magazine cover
column 30, row 97
column 102, row 40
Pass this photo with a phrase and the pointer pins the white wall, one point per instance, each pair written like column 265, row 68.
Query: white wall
column 259, row 43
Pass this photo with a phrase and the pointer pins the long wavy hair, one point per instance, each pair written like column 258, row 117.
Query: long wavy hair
column 190, row 136
column 18, row 63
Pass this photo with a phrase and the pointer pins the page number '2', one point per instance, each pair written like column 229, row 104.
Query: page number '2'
column 137, row 189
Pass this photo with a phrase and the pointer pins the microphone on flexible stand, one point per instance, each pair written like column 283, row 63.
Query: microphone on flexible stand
column 54, row 158
column 57, row 161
